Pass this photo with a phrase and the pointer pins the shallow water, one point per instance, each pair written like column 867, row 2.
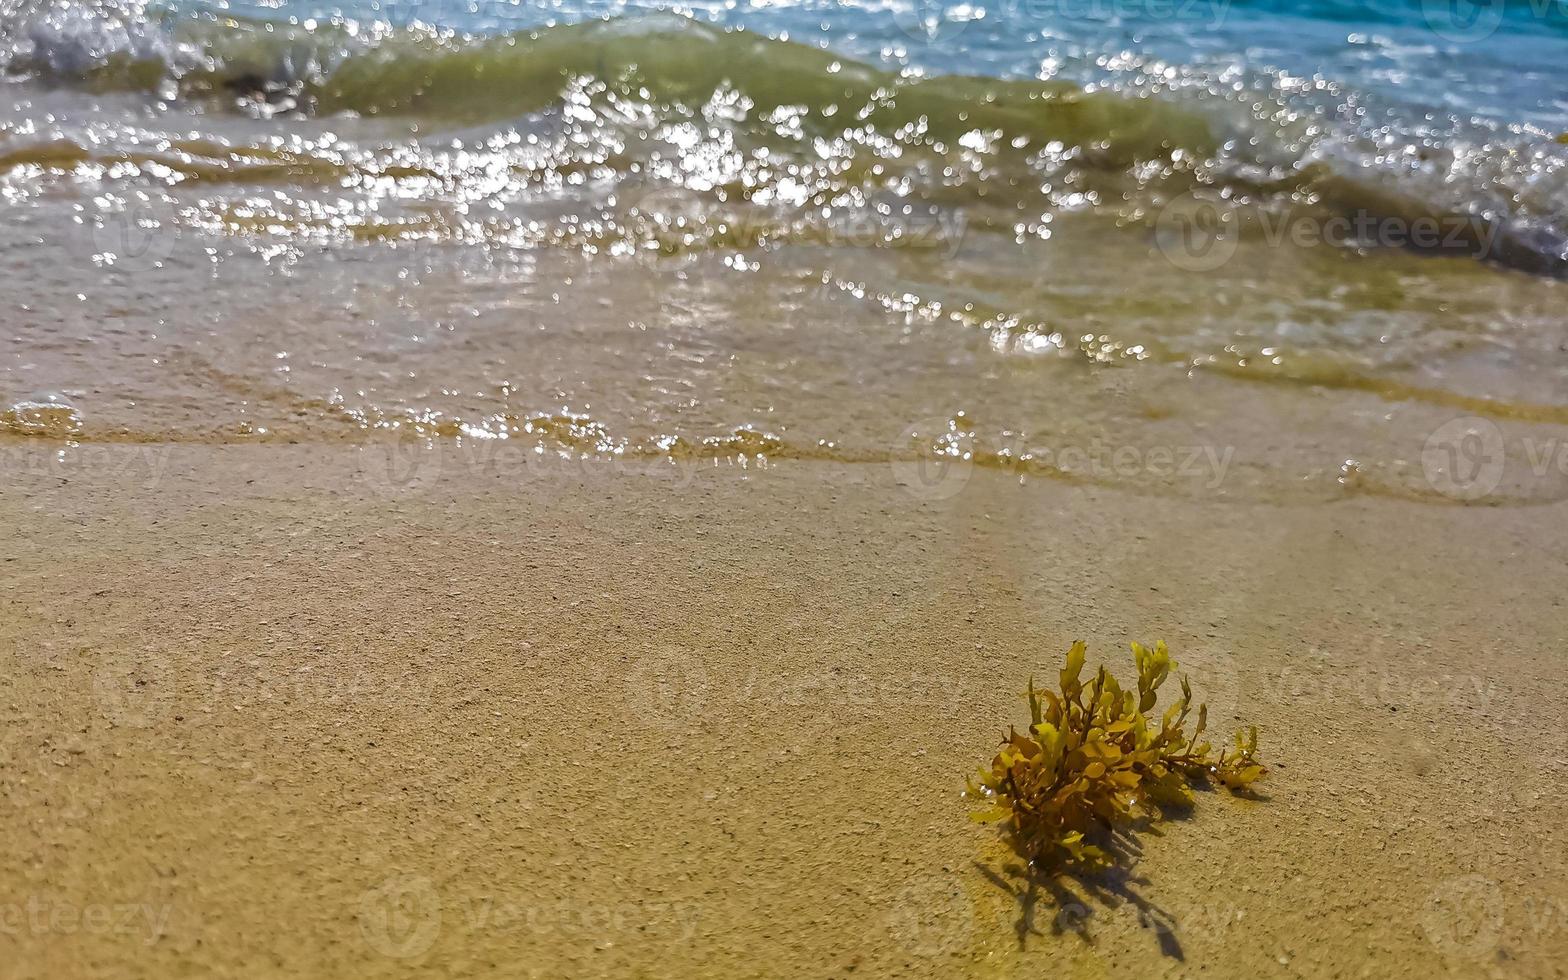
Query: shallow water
column 1228, row 249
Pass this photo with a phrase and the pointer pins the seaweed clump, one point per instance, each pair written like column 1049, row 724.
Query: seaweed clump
column 1095, row 757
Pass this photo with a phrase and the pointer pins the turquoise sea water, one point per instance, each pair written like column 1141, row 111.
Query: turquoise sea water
column 1470, row 59
column 1451, row 106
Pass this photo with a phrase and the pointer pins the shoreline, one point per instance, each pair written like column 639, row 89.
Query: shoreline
column 596, row 723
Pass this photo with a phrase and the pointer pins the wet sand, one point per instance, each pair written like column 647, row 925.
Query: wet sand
column 268, row 713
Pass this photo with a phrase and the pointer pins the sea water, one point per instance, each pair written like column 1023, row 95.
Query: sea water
column 1238, row 248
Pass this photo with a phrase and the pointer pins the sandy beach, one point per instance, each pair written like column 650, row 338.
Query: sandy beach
column 557, row 489
column 267, row 715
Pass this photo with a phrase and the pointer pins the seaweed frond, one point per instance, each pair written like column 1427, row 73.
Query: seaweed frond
column 1096, row 757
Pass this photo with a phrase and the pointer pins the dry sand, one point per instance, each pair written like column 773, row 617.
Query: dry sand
column 267, row 715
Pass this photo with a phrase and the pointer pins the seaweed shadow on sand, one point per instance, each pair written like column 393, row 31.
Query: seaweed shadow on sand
column 1094, row 770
